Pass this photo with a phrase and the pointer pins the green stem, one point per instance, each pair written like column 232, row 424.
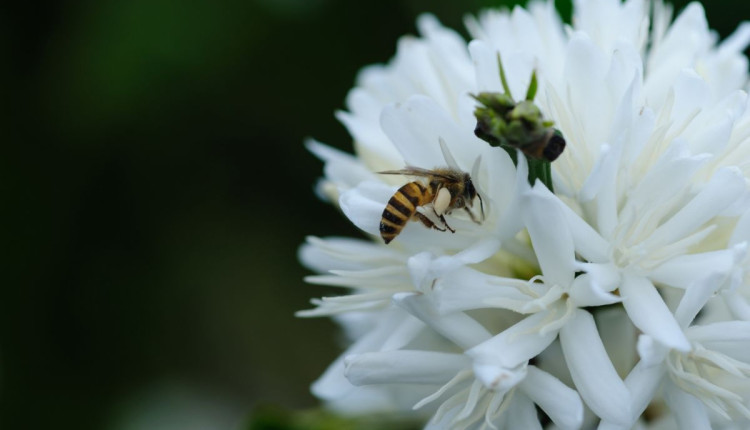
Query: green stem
column 540, row 169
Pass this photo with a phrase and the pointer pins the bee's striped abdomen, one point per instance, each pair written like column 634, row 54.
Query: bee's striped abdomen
column 401, row 207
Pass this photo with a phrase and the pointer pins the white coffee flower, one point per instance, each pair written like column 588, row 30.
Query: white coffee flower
column 650, row 213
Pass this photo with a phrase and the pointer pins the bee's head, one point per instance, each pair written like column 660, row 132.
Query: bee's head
column 554, row 147
column 469, row 191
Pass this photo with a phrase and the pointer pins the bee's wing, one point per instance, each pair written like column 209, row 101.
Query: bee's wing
column 418, row 171
column 449, row 160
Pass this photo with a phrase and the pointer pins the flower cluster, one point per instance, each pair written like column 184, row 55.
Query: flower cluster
column 620, row 299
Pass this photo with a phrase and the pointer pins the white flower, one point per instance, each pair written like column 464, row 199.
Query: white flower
column 650, row 214
column 711, row 380
column 482, row 392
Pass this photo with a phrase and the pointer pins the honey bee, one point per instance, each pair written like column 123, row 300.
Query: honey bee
column 446, row 189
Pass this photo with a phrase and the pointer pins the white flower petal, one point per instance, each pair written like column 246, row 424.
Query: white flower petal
column 649, row 313
column 642, row 383
column 364, row 205
column 552, row 242
column 415, row 127
column 458, row 327
column 696, row 296
column 687, row 409
column 666, row 178
column 424, row 267
column 588, row 290
column 741, row 231
column 517, row 344
column 724, row 188
column 585, row 71
column 511, row 221
column 476, row 253
column 651, row 352
column 602, row 183
column 416, row 367
column 682, row 270
column 485, row 66
column 588, row 242
column 522, row 414
column 498, row 378
column 467, row 289
column 728, row 337
column 342, row 168
column 333, row 384
column 338, row 253
column 593, row 373
column 561, row 403
column 687, row 37
column 737, row 304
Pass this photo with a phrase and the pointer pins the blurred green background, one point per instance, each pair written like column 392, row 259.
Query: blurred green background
column 156, row 191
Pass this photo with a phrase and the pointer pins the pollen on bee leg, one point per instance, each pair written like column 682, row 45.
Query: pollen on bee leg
column 442, row 201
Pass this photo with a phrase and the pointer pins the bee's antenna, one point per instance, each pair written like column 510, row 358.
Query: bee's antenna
column 449, row 160
column 481, row 205
column 475, row 176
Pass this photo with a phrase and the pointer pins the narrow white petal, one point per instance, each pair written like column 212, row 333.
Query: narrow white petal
column 517, row 344
column 724, row 188
column 460, row 328
column 741, row 231
column 485, row 66
column 642, row 383
column 696, row 296
column 593, row 373
column 466, row 289
column 738, row 40
column 552, row 242
column 724, row 331
column 476, row 253
column 649, row 313
column 343, row 169
column 668, row 177
column 691, row 94
column 497, row 377
column 416, row 126
column 588, row 242
column 737, row 304
column 561, row 403
column 325, row 254
column 585, row 72
column 587, row 291
column 511, row 221
column 727, row 337
column 687, row 409
column 522, row 414
column 651, row 352
column 602, row 184
column 415, row 367
column 364, row 205
column 332, row 384
column 682, row 270
column 373, row 146
column 424, row 267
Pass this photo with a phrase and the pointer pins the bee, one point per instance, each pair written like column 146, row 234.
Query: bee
column 519, row 126
column 446, row 189
column 548, row 147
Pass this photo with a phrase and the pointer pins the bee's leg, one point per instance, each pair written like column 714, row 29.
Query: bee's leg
column 426, row 221
column 445, row 223
column 471, row 215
